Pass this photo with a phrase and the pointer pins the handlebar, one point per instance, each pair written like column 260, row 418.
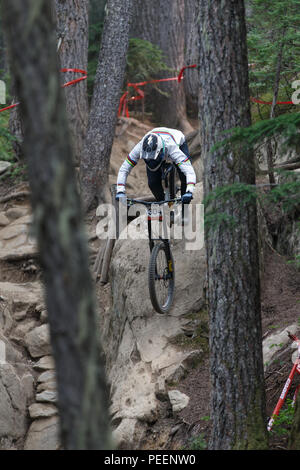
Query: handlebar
column 147, row 203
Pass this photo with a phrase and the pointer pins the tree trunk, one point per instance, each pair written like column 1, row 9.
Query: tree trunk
column 16, row 129
column 15, row 124
column 270, row 161
column 192, row 39
column 3, row 64
column 103, row 115
column 238, row 397
column 73, row 41
column 82, row 392
column 162, row 23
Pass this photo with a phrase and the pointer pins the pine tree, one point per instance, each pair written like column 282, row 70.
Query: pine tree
column 238, row 396
column 273, row 29
column 94, row 165
column 82, row 390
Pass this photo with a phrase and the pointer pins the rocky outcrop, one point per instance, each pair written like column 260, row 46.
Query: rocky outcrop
column 43, row 434
column 16, row 392
column 28, row 412
column 277, row 342
column 142, row 356
column 16, row 241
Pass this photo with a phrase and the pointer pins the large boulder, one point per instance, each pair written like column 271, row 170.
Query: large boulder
column 21, row 297
column 15, row 395
column 141, row 354
column 37, row 341
column 16, row 241
column 43, row 434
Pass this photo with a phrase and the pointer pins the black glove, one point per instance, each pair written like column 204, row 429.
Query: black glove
column 120, row 195
column 186, row 198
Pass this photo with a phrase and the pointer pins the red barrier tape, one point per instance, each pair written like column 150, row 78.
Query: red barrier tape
column 9, row 107
column 72, row 82
column 123, row 107
column 255, row 100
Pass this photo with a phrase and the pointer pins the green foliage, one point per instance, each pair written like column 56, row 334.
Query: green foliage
column 241, row 140
column 286, row 125
column 144, row 61
column 240, row 192
column 197, row 443
column 6, row 139
column 272, row 23
column 283, row 422
column 287, row 195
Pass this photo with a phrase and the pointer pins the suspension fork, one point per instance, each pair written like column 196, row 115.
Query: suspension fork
column 151, row 242
column 169, row 256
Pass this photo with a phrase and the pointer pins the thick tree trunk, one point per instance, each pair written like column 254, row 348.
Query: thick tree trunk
column 109, row 79
column 72, row 42
column 162, row 23
column 82, row 392
column 238, row 399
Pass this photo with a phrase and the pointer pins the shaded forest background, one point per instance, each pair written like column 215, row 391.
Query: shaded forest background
column 158, row 51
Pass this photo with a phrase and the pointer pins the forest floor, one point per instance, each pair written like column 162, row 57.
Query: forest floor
column 280, row 287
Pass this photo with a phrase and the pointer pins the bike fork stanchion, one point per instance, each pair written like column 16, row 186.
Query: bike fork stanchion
column 287, row 385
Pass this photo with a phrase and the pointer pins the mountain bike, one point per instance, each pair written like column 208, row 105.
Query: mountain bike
column 287, row 385
column 161, row 273
column 171, row 184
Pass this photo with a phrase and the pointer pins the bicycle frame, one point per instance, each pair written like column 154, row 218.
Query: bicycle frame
column 287, row 385
column 148, row 205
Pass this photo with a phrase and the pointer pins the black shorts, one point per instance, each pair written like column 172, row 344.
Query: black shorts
column 155, row 178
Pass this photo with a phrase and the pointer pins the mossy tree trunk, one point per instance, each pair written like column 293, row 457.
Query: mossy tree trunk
column 238, row 397
column 82, row 390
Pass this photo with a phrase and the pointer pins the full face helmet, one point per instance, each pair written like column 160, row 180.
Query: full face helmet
column 153, row 151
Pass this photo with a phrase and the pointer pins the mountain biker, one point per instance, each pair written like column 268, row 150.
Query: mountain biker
column 157, row 146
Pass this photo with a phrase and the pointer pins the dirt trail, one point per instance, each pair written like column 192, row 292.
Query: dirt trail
column 280, row 295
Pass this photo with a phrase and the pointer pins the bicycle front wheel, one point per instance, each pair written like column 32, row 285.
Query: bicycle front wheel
column 161, row 278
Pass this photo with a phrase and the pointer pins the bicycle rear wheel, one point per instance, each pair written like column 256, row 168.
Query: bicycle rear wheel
column 161, row 278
